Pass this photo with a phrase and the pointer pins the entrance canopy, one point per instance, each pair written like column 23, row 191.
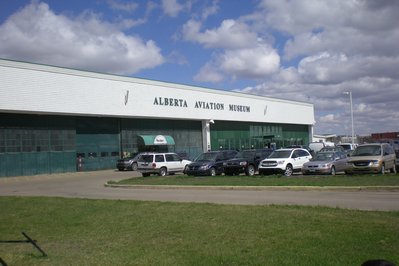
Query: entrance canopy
column 151, row 140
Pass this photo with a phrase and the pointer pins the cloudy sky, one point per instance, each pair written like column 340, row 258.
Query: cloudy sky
column 309, row 50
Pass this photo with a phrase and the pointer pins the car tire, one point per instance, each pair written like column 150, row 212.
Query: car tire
column 212, row 171
column 382, row 171
column 134, row 166
column 185, row 169
column 333, row 172
column 162, row 171
column 393, row 170
column 288, row 170
column 250, row 171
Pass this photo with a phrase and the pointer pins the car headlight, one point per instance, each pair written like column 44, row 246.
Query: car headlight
column 280, row 162
column 243, row 163
column 203, row 167
column 224, row 164
column 375, row 163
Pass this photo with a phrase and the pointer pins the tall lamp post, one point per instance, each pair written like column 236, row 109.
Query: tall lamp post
column 353, row 129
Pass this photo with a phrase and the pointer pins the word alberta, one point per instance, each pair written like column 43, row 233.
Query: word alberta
column 170, row 102
column 200, row 105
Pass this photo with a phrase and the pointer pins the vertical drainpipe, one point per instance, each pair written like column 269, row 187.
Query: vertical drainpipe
column 120, row 137
column 206, row 136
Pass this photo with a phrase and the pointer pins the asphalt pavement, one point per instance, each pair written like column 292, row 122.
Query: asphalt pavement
column 91, row 185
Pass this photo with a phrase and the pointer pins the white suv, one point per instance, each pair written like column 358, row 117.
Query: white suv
column 161, row 164
column 284, row 161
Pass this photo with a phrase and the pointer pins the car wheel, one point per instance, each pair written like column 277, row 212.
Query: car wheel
column 250, row 170
column 212, row 171
column 162, row 171
column 333, row 172
column 393, row 170
column 185, row 169
column 288, row 170
column 382, row 171
column 134, row 167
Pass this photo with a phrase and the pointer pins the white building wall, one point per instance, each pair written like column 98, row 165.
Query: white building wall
column 33, row 88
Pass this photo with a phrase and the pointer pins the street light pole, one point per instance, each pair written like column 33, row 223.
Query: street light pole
column 353, row 129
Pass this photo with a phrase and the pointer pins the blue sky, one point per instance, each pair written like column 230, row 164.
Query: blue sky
column 306, row 50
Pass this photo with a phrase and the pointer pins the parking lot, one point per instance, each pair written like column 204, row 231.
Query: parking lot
column 91, row 185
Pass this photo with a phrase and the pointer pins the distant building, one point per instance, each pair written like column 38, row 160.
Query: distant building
column 324, row 138
column 386, row 135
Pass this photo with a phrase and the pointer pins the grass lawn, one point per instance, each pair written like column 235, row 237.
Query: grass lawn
column 114, row 232
column 272, row 180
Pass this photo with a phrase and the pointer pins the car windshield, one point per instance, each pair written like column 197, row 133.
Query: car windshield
column 367, row 151
column 345, row 146
column 146, row 158
column 281, row 154
column 245, row 154
column 208, row 156
column 324, row 156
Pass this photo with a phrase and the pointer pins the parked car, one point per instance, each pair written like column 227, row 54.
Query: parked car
column 317, row 146
column 210, row 163
column 395, row 145
column 284, row 161
column 128, row 163
column 328, row 162
column 348, row 147
column 372, row 158
column 332, row 148
column 161, row 164
column 312, row 152
column 246, row 161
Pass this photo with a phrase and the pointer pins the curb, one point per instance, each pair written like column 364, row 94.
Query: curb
column 261, row 188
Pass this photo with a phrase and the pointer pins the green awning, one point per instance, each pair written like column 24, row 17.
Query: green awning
column 150, row 140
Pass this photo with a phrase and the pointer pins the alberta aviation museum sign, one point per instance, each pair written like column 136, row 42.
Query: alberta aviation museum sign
column 53, row 90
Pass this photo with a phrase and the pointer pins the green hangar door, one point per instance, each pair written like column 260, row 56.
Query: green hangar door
column 97, row 143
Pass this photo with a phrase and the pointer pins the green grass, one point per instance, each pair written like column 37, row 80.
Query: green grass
column 109, row 232
column 272, row 180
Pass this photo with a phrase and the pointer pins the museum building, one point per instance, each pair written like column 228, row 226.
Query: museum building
column 50, row 116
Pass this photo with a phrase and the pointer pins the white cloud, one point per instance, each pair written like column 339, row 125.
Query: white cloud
column 127, row 7
column 209, row 73
column 327, row 118
column 255, row 63
column 171, row 7
column 210, row 10
column 230, row 35
column 37, row 34
column 243, row 54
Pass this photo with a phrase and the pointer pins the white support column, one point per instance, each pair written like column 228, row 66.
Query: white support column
column 206, row 135
column 311, row 133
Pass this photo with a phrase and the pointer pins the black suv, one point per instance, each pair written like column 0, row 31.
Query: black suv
column 128, row 163
column 210, row 163
column 246, row 161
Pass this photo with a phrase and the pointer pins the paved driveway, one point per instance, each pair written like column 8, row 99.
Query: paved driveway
column 91, row 185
